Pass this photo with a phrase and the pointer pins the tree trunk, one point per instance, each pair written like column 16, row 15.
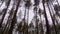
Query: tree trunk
column 5, row 10
column 36, row 22
column 53, row 20
column 47, row 23
column 42, row 32
column 14, row 17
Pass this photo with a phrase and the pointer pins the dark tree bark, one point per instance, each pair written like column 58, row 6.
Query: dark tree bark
column 5, row 10
column 40, row 13
column 53, row 20
column 14, row 17
column 25, row 31
column 36, row 7
column 47, row 23
column 6, row 29
column 53, row 16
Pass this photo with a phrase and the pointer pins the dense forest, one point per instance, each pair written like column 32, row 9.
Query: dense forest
column 29, row 16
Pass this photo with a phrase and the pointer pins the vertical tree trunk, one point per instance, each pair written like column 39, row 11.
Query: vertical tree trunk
column 36, row 22
column 42, row 32
column 24, row 32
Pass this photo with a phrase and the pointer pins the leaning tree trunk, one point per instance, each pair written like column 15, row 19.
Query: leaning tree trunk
column 14, row 17
column 6, row 29
column 47, row 23
column 5, row 10
column 53, row 20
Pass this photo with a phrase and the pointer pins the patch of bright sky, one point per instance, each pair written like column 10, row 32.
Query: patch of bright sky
column 3, row 6
column 43, row 19
column 41, row 6
column 31, row 15
column 55, row 2
column 59, row 2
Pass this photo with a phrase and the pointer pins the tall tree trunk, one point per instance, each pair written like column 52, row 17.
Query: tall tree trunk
column 54, row 14
column 42, row 32
column 14, row 17
column 6, row 29
column 5, row 10
column 47, row 23
column 27, row 19
column 53, row 20
column 24, row 32
column 36, row 22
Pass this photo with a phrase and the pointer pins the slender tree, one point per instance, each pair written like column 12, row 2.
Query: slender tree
column 6, row 29
column 14, row 17
column 40, row 13
column 50, row 2
column 21, row 26
column 47, row 23
column 35, row 9
column 27, row 5
column 53, row 20
column 5, row 10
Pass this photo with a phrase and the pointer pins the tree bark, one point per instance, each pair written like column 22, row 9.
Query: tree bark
column 53, row 20
column 47, row 23
column 5, row 10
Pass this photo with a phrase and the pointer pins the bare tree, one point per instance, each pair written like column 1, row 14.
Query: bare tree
column 5, row 10
column 53, row 20
column 47, row 23
column 12, row 18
